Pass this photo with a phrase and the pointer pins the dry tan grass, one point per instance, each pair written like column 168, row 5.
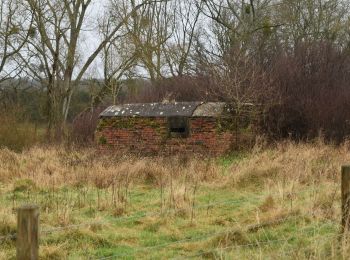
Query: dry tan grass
column 283, row 171
column 288, row 166
column 54, row 166
column 300, row 181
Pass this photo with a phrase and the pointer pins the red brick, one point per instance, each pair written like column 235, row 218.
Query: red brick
column 150, row 139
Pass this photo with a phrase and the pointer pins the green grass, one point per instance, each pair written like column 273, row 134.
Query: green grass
column 146, row 232
column 232, row 158
column 250, row 210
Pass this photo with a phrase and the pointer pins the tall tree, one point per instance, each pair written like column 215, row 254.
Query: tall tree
column 162, row 35
column 239, row 24
column 178, row 49
column 148, row 30
column 313, row 20
column 119, row 60
column 56, row 51
column 15, row 29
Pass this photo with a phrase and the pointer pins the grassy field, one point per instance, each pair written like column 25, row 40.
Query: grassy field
column 281, row 202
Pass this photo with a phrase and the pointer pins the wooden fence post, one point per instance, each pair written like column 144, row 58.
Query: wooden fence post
column 345, row 196
column 28, row 232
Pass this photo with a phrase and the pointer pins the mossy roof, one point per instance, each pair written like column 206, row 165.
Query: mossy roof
column 187, row 109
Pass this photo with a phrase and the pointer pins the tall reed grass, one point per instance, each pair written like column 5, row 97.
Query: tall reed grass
column 16, row 132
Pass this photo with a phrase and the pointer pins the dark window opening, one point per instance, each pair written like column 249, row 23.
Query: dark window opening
column 178, row 127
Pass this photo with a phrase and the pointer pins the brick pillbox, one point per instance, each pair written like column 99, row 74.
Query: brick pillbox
column 166, row 128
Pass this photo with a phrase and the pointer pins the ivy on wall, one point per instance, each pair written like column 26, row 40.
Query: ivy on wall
column 127, row 123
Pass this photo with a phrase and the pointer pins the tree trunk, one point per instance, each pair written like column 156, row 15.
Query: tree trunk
column 54, row 115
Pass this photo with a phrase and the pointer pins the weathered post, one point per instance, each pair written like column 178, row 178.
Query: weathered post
column 345, row 196
column 28, row 232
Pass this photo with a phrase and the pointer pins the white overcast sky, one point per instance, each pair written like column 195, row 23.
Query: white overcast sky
column 90, row 37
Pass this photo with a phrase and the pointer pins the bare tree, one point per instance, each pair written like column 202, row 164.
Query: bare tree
column 240, row 24
column 313, row 20
column 119, row 59
column 15, row 29
column 55, row 51
column 147, row 31
column 178, row 49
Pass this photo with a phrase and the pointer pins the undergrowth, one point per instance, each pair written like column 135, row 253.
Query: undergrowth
column 280, row 202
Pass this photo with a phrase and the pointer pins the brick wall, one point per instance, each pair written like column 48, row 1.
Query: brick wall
column 151, row 136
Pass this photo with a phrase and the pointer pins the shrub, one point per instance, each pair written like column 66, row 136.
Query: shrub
column 84, row 126
column 16, row 133
column 312, row 91
column 102, row 140
column 185, row 88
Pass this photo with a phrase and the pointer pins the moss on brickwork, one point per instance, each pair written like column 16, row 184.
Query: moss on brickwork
column 101, row 124
column 225, row 125
column 128, row 123
column 151, row 135
column 123, row 123
column 102, row 140
column 152, row 123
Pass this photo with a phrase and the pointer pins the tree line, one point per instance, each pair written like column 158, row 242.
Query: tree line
column 288, row 58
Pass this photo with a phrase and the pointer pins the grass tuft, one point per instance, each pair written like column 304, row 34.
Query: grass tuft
column 290, row 191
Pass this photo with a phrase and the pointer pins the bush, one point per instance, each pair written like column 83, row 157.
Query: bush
column 185, row 88
column 84, row 126
column 282, row 121
column 15, row 132
column 312, row 90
